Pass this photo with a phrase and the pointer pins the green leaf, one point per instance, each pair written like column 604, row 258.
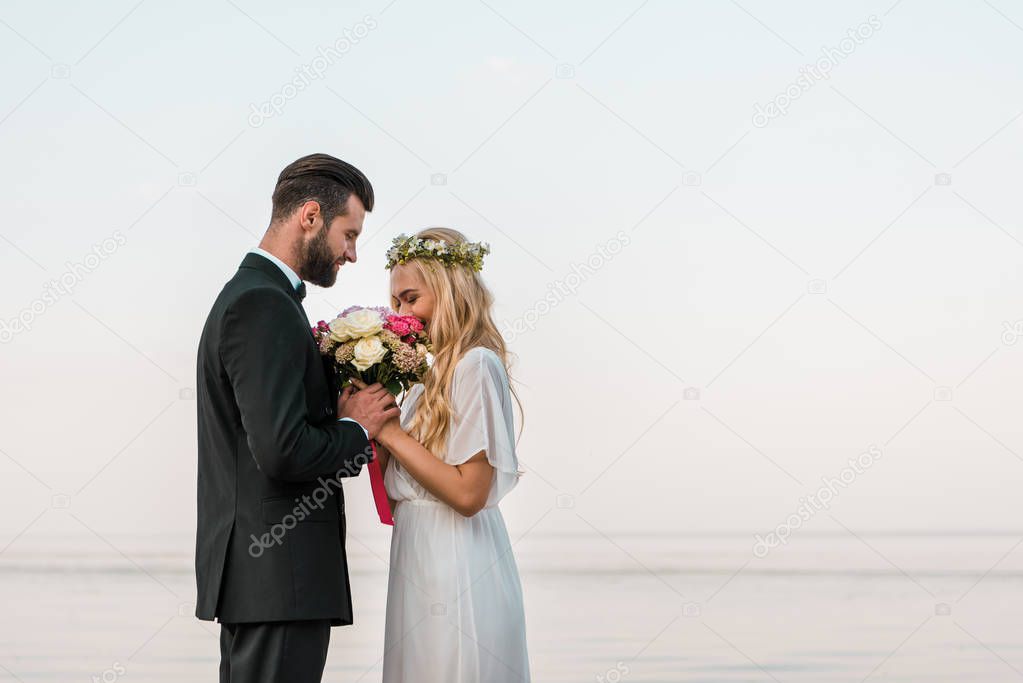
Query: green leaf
column 393, row 386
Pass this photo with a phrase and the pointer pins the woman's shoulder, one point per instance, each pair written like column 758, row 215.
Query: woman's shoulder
column 479, row 357
column 481, row 365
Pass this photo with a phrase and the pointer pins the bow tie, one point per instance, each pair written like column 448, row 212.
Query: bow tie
column 300, row 291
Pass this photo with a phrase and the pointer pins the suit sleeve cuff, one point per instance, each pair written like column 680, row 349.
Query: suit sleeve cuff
column 348, row 419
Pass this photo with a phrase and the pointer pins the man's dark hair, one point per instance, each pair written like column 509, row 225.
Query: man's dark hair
column 323, row 179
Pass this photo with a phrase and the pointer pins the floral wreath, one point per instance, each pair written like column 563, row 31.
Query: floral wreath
column 468, row 254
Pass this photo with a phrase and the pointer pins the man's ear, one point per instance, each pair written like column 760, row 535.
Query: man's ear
column 309, row 215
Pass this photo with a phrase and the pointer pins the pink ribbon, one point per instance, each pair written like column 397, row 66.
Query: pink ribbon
column 376, row 482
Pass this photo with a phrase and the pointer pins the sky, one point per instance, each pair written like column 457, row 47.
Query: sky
column 733, row 247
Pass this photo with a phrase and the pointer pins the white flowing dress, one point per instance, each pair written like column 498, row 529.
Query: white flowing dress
column 454, row 599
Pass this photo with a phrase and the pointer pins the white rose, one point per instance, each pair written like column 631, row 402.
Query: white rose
column 368, row 352
column 364, row 322
column 339, row 331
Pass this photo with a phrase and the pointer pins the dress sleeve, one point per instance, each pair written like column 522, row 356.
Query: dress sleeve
column 482, row 419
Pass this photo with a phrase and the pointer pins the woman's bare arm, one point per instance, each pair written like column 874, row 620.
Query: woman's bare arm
column 464, row 487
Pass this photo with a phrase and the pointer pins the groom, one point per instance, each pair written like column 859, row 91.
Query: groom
column 270, row 561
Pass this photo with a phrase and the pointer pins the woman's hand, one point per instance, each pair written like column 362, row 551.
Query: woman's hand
column 390, row 428
column 389, row 431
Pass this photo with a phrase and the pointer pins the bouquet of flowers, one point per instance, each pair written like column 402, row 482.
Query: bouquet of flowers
column 374, row 344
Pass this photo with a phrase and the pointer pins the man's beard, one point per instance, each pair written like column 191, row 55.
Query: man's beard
column 317, row 264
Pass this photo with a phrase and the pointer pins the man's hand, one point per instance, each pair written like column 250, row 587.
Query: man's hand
column 371, row 407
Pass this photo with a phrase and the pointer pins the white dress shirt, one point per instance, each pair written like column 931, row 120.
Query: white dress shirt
column 295, row 282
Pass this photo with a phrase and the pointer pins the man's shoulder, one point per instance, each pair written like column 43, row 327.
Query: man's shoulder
column 250, row 286
column 249, row 292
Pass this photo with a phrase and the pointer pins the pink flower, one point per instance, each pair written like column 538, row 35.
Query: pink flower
column 398, row 324
column 404, row 325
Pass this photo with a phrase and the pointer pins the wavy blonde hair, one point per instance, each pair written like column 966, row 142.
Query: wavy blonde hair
column 461, row 320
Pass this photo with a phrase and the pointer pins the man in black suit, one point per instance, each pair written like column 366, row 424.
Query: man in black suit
column 270, row 560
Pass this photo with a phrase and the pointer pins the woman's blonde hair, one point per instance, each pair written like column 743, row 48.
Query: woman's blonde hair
column 461, row 320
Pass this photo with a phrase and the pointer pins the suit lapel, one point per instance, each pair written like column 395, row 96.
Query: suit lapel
column 265, row 265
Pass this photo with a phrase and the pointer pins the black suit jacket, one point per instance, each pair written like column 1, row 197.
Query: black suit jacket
column 271, row 524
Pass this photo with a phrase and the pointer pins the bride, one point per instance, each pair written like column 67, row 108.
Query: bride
column 454, row 600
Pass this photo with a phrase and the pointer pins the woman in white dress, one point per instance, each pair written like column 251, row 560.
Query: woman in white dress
column 454, row 599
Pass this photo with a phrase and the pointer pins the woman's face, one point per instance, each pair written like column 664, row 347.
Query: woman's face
column 410, row 295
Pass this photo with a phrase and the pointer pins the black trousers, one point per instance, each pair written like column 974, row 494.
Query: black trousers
column 274, row 652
